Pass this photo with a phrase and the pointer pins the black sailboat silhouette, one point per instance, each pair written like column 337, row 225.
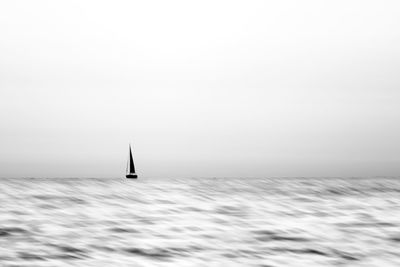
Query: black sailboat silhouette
column 130, row 168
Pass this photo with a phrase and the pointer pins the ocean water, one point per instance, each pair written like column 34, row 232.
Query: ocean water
column 200, row 222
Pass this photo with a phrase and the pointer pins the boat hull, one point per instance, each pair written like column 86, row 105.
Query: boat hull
column 131, row 176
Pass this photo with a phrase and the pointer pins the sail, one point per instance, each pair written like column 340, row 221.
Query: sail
column 131, row 166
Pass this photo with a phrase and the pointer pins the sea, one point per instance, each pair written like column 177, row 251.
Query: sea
column 269, row 222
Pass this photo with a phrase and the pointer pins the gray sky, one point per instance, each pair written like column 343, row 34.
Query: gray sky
column 201, row 88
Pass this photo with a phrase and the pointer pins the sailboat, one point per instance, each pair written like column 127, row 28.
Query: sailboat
column 130, row 168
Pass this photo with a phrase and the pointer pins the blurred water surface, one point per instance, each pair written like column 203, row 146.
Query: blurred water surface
column 200, row 222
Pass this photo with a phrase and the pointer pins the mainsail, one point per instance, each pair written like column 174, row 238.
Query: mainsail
column 130, row 168
column 131, row 165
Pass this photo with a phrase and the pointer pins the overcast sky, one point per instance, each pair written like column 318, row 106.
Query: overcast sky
column 200, row 88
